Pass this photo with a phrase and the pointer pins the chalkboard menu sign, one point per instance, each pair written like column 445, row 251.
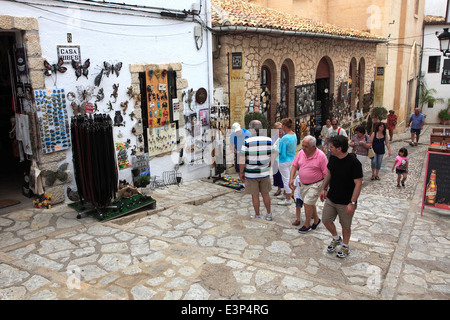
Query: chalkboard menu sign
column 436, row 191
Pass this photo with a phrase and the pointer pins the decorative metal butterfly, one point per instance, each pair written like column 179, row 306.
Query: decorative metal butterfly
column 53, row 68
column 108, row 68
column 112, row 68
column 81, row 69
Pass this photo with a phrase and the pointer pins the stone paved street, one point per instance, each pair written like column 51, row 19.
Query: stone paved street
column 200, row 243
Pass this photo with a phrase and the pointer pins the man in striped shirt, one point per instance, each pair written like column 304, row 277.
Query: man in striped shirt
column 255, row 172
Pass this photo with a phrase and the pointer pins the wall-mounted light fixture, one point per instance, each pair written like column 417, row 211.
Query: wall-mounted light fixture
column 444, row 42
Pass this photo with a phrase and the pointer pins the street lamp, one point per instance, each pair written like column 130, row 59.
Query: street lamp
column 444, row 42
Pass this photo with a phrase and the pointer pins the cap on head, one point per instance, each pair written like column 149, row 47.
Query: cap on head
column 236, row 127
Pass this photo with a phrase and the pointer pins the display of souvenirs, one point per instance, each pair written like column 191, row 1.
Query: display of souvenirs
column 230, row 182
column 141, row 170
column 157, row 98
column 161, row 139
column 44, row 202
column 53, row 120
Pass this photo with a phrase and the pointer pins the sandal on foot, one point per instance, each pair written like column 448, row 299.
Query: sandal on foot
column 296, row 223
column 372, row 178
column 377, row 178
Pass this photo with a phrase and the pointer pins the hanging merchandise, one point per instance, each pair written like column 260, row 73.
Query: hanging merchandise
column 122, row 154
column 108, row 68
column 157, row 98
column 81, row 69
column 100, row 95
column 200, row 96
column 53, row 69
column 23, row 133
column 161, row 139
column 53, row 120
column 94, row 159
column 115, row 92
column 80, row 103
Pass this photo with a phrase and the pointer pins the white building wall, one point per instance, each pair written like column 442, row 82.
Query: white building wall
column 433, row 80
column 132, row 36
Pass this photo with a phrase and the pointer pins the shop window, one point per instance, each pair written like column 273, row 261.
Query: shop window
column 434, row 63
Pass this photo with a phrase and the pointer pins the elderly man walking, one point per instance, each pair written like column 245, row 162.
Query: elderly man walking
column 311, row 164
column 255, row 171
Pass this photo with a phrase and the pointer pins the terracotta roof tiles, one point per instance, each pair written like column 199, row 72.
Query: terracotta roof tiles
column 239, row 13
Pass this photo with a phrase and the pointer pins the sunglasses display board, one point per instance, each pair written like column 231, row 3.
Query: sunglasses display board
column 53, row 120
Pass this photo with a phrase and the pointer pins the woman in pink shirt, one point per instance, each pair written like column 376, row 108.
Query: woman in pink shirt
column 311, row 164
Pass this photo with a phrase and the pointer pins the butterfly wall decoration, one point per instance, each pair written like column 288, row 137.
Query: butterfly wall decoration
column 54, row 68
column 81, row 69
column 108, row 68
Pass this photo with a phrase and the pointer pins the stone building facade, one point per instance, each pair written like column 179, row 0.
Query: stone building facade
column 284, row 65
column 301, row 56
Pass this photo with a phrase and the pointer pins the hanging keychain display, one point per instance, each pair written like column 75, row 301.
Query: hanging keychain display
column 53, row 120
column 157, row 98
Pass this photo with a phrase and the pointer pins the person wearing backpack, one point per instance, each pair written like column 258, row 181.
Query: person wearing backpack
column 335, row 130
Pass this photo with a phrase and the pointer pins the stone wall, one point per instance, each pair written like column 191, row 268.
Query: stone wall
column 300, row 54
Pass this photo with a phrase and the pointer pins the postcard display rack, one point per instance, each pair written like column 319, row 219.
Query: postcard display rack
column 161, row 133
column 53, row 120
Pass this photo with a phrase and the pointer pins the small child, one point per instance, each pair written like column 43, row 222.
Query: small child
column 298, row 201
column 401, row 166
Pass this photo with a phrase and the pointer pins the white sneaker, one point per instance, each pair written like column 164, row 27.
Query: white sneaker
column 255, row 216
column 281, row 196
column 285, row 202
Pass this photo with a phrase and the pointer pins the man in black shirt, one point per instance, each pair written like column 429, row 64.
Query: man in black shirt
column 344, row 179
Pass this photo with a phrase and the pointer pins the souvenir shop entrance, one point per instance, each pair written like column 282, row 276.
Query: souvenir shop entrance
column 13, row 73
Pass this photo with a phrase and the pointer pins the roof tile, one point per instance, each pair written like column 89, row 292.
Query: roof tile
column 242, row 13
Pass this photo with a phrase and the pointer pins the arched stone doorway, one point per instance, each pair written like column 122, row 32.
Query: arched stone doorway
column 361, row 82
column 268, row 94
column 352, row 84
column 325, row 88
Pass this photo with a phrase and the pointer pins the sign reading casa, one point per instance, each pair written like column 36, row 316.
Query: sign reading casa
column 69, row 53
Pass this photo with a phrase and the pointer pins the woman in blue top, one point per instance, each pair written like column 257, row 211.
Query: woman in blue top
column 286, row 154
column 379, row 140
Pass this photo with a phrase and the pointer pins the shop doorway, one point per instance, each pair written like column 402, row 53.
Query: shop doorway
column 12, row 195
column 324, row 96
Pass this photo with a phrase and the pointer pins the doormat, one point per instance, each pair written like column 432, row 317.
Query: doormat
column 228, row 181
column 8, row 202
column 122, row 207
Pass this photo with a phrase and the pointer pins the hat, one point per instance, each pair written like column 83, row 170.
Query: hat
column 236, row 127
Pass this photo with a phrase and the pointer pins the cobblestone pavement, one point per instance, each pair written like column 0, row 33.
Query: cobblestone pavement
column 200, row 243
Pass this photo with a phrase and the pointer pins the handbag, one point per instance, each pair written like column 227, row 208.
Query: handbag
column 371, row 153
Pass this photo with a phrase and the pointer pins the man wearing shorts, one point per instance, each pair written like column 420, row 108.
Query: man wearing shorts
column 255, row 171
column 344, row 179
column 311, row 164
column 416, row 122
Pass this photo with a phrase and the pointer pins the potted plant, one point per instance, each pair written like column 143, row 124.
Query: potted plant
column 256, row 116
column 444, row 117
column 378, row 114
